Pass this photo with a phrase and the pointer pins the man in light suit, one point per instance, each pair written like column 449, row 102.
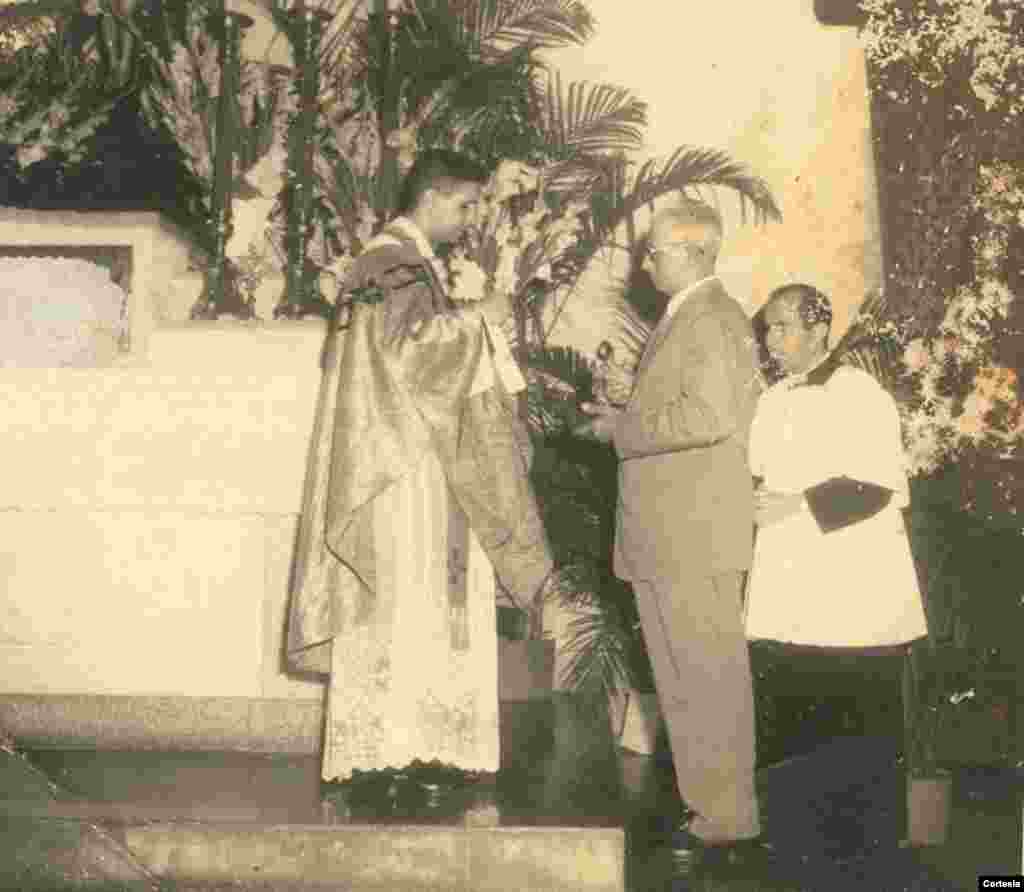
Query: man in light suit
column 685, row 523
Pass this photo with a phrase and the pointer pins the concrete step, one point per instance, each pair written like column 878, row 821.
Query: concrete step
column 40, row 850
column 385, row 859
column 54, row 854
column 107, row 812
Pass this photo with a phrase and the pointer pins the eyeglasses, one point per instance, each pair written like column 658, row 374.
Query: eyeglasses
column 650, row 250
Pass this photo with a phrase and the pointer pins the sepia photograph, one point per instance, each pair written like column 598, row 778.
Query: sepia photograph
column 511, row 445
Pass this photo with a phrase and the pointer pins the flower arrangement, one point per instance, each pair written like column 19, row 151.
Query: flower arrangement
column 959, row 334
column 959, row 391
column 937, row 38
column 518, row 243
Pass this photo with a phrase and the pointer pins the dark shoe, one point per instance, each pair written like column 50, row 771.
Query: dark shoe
column 687, row 851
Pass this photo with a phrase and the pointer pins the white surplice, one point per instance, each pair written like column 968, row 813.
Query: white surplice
column 855, row 586
column 399, row 690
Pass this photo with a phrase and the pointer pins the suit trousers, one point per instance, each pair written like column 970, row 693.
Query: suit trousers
column 694, row 634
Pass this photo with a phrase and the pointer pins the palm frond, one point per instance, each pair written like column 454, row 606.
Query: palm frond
column 599, row 653
column 560, row 378
column 565, row 364
column 690, row 166
column 591, row 119
column 863, row 346
column 495, row 98
column 349, row 191
column 344, row 22
column 494, row 24
column 615, row 197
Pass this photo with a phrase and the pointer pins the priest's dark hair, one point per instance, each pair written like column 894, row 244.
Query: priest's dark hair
column 440, row 169
column 812, row 305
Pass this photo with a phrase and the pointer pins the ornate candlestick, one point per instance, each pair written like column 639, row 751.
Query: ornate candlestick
column 302, row 291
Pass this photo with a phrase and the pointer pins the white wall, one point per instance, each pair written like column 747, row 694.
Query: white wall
column 147, row 515
column 780, row 92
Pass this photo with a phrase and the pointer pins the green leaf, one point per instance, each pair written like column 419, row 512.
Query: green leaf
column 582, row 118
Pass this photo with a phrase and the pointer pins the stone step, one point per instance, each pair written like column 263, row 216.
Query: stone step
column 40, row 850
column 373, row 858
column 44, row 853
column 142, row 813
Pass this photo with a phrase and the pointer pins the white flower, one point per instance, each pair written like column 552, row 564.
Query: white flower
column 470, row 281
column 404, row 140
column 505, row 277
column 249, row 224
column 916, row 355
column 340, row 266
column 267, row 174
column 30, row 154
column 513, row 178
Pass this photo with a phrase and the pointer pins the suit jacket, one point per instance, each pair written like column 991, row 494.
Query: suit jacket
column 685, row 491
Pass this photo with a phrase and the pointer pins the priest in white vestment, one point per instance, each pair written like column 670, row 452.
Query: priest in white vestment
column 417, row 504
column 832, row 563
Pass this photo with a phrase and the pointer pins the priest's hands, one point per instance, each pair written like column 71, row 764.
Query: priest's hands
column 496, row 308
column 771, row 506
column 601, row 424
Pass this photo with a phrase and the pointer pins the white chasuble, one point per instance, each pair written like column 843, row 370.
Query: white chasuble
column 855, row 586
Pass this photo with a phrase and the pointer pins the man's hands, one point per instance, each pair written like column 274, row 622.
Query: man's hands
column 601, row 424
column 771, row 506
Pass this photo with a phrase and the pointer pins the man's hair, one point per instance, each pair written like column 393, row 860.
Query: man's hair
column 689, row 215
column 439, row 169
column 812, row 305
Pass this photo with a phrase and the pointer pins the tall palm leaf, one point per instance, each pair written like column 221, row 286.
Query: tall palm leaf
column 584, row 126
column 435, row 59
column 575, row 482
column 868, row 346
column 547, row 24
column 615, row 195
column 861, row 344
column 687, row 168
column 559, row 379
column 600, row 656
column 584, row 118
